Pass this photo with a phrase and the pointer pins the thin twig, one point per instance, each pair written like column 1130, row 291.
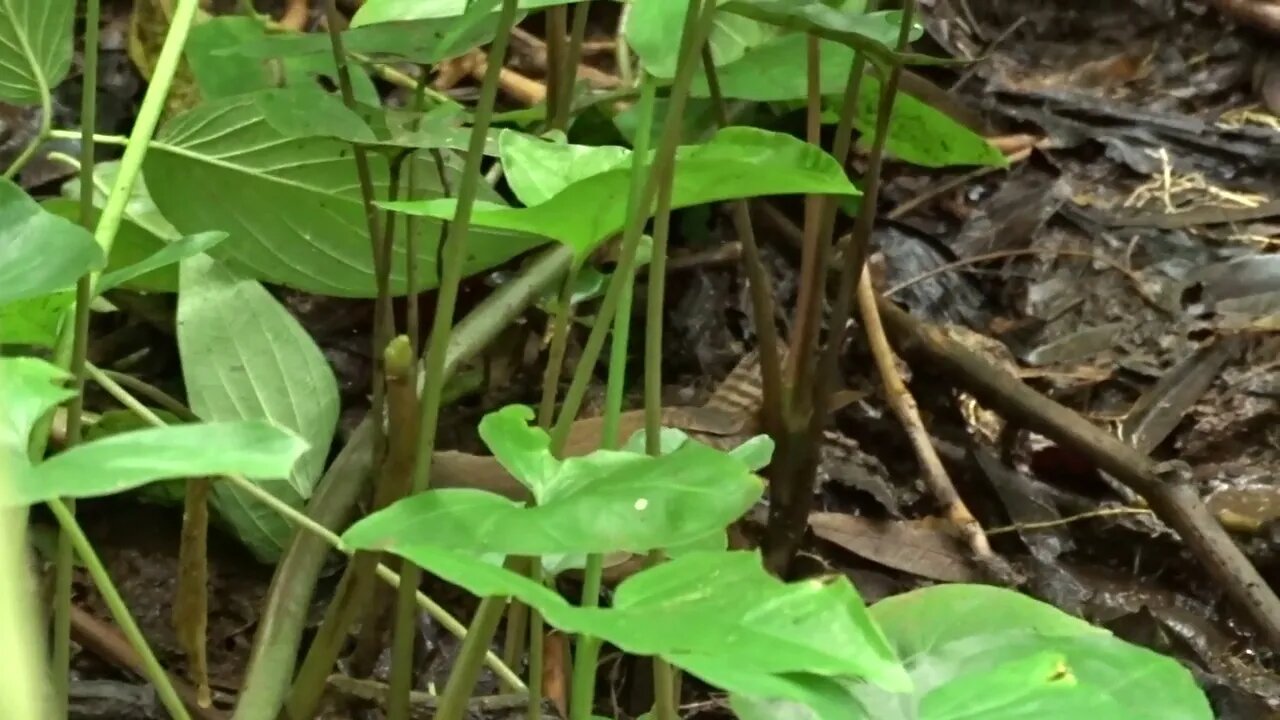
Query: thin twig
column 904, row 406
column 1175, row 501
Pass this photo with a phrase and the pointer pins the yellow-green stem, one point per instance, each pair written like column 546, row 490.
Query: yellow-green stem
column 119, row 611
column 438, row 613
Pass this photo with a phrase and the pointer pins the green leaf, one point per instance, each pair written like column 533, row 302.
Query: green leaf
column 383, row 11
column 35, row 321
column 244, row 357
column 40, row 253
column 256, row 450
column 873, row 33
column 524, row 450
column 698, row 122
column 818, row 626
column 423, row 42
column 738, row 162
column 920, row 133
column 790, row 696
column 116, row 422
column 776, row 71
column 170, row 255
column 29, row 388
column 922, row 619
column 603, row 502
column 310, row 112
column 756, row 453
column 654, row 27
column 969, row 641
column 291, row 205
column 706, row 605
column 537, row 169
column 1040, row 685
column 221, row 74
column 140, row 209
column 35, row 48
column 132, row 245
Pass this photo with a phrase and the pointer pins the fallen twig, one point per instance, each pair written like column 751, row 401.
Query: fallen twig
column 904, row 406
column 105, row 641
column 1174, row 500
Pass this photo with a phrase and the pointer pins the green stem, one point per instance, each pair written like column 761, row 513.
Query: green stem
column 455, row 254
column 46, row 119
column 557, row 68
column 555, row 356
column 299, row 519
column 26, row 694
column 665, row 699
column 583, row 685
column 64, row 563
column 119, row 611
column 761, row 286
column 694, row 32
column 130, row 167
column 275, row 645
column 664, row 690
column 462, row 678
column 586, row 658
column 572, row 57
column 622, row 52
column 537, row 659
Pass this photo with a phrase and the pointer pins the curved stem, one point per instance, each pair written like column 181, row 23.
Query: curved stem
column 111, row 596
column 130, row 167
column 43, row 134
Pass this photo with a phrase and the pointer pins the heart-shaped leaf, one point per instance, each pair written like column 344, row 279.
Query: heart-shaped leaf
column 537, row 169
column 707, row 605
column 29, row 388
column 738, row 162
column 35, row 48
column 599, row 503
column 653, row 30
column 523, row 450
column 977, row 651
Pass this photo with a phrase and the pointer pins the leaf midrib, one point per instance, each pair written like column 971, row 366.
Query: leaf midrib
column 37, row 72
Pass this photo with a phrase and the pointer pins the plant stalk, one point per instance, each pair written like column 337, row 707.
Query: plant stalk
column 695, row 30
column 64, row 563
column 462, row 678
column 120, row 611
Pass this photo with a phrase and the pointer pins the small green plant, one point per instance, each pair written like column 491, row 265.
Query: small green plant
column 271, row 180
